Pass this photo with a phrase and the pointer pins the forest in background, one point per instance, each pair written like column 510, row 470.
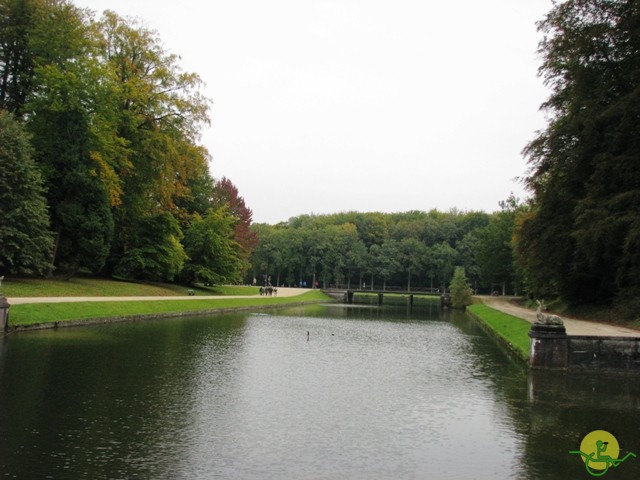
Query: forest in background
column 102, row 171
column 383, row 250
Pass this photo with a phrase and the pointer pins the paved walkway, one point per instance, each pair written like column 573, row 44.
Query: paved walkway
column 282, row 292
column 573, row 326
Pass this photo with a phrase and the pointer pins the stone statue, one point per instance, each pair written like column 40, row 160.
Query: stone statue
column 545, row 318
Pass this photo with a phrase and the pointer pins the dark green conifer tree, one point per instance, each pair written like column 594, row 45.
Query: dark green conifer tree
column 25, row 240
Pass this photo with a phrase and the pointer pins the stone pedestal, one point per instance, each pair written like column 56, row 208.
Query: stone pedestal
column 549, row 346
column 4, row 313
column 349, row 297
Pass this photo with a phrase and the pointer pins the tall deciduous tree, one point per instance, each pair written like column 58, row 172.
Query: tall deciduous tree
column 17, row 61
column 385, row 260
column 60, row 110
column 493, row 246
column 25, row 239
column 80, row 205
column 440, row 260
column 412, row 255
column 156, row 252
column 156, row 113
column 582, row 232
column 226, row 195
column 213, row 253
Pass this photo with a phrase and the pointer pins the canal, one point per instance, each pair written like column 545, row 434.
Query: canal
column 316, row 392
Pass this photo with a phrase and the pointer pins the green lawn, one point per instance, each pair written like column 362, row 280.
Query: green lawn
column 101, row 287
column 29, row 314
column 512, row 329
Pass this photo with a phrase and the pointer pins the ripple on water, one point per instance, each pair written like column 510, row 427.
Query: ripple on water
column 368, row 395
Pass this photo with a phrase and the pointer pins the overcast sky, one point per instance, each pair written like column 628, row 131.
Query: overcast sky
column 324, row 106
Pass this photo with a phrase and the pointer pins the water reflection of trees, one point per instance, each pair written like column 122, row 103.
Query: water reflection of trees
column 94, row 402
column 553, row 411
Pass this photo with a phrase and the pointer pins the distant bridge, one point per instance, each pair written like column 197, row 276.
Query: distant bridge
column 348, row 293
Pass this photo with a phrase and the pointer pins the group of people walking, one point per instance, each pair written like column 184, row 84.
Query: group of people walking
column 268, row 291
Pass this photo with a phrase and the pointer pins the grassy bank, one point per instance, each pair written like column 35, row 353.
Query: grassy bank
column 512, row 330
column 42, row 313
column 102, row 287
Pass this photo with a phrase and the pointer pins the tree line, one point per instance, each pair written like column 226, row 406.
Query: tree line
column 376, row 250
column 101, row 169
column 577, row 237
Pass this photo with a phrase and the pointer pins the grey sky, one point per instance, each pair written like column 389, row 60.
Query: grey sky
column 372, row 105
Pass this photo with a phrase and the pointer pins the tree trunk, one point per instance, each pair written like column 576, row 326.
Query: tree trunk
column 54, row 254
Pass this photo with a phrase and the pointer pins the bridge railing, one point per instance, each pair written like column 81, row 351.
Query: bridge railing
column 389, row 288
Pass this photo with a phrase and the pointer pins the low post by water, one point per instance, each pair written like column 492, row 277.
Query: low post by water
column 4, row 309
column 4, row 313
column 549, row 346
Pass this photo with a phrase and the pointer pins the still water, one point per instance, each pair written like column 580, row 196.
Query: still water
column 369, row 394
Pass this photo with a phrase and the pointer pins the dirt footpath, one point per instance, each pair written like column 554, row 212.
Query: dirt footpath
column 573, row 326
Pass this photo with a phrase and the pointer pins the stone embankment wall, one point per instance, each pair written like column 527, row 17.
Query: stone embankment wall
column 551, row 347
column 610, row 353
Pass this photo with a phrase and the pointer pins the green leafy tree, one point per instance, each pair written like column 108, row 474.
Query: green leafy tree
column 261, row 256
column 356, row 261
column 214, row 255
column 80, row 204
column 297, row 256
column 226, row 194
column 343, row 247
column 467, row 248
column 60, row 110
column 196, row 199
column 17, row 62
column 372, row 228
column 412, row 254
column 385, row 260
column 156, row 252
column 581, row 233
column 493, row 246
column 460, row 290
column 24, row 235
column 439, row 261
column 156, row 111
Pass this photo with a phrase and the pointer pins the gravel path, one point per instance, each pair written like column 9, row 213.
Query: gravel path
column 573, row 326
column 282, row 292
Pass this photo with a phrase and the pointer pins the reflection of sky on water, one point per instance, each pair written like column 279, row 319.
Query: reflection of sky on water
column 372, row 393
column 358, row 400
